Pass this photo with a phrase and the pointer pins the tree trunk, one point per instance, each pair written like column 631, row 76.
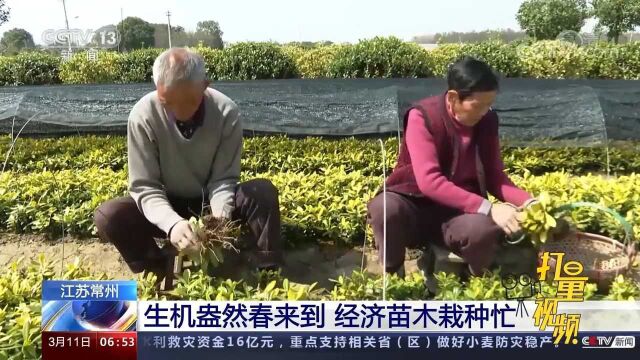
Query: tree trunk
column 614, row 35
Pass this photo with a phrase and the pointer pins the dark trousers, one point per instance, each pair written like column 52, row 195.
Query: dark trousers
column 412, row 222
column 256, row 205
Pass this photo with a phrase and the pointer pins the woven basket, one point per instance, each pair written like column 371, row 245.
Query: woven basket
column 603, row 258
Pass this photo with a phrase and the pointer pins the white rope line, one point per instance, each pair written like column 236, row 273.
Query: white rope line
column 14, row 140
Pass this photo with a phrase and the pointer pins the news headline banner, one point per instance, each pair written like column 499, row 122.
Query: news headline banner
column 372, row 316
column 408, row 345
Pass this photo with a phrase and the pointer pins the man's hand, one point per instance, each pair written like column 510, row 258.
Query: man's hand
column 505, row 216
column 182, row 236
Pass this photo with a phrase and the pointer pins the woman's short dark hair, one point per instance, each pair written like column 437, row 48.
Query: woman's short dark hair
column 469, row 75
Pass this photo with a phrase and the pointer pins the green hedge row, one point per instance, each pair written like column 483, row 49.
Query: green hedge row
column 377, row 57
column 34, row 68
column 54, row 183
column 328, row 205
column 310, row 155
column 29, row 69
column 110, row 67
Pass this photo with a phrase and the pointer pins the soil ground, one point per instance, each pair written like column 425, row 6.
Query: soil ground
column 313, row 263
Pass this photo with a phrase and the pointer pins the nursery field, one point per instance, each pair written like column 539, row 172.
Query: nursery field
column 49, row 188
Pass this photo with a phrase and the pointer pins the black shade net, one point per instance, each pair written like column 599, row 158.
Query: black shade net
column 567, row 112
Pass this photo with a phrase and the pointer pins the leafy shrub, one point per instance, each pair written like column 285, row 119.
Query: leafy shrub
column 609, row 61
column 6, row 77
column 66, row 153
column 327, row 205
column 526, row 41
column 20, row 296
column 252, row 61
column 295, row 52
column 381, row 57
column 48, row 201
column 137, row 66
column 378, row 57
column 629, row 60
column 80, row 70
column 620, row 194
column 443, row 56
column 553, row 60
column 283, row 154
column 312, row 155
column 598, row 60
column 212, row 59
column 324, row 184
column 624, row 289
column 502, row 57
column 315, row 63
column 30, row 68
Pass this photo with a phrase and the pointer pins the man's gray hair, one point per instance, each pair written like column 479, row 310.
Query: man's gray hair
column 178, row 64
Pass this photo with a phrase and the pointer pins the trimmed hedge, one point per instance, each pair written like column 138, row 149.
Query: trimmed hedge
column 608, row 61
column 110, row 67
column 315, row 63
column 29, row 68
column 80, row 70
column 295, row 52
column 324, row 185
column 212, row 58
column 329, row 206
column 137, row 66
column 444, row 55
column 378, row 57
column 252, row 61
column 503, row 57
column 282, row 154
column 553, row 60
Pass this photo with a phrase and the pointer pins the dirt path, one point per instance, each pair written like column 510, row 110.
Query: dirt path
column 306, row 265
column 95, row 255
